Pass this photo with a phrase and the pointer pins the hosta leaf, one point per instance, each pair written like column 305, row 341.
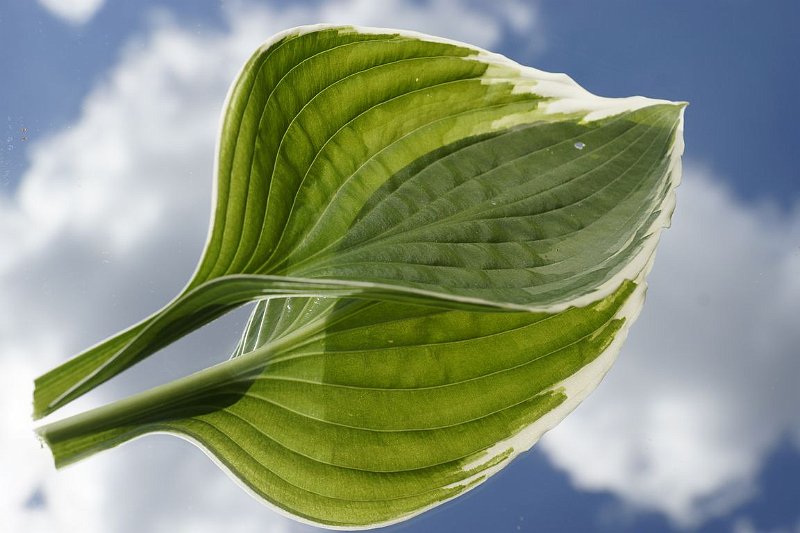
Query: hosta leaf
column 447, row 249
column 356, row 413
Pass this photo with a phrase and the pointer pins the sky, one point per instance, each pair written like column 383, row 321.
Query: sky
column 111, row 112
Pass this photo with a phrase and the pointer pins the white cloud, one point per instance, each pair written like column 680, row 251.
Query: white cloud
column 707, row 383
column 73, row 11
column 107, row 225
column 455, row 19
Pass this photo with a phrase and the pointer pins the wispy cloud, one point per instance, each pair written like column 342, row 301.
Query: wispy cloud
column 106, row 226
column 456, row 19
column 73, row 11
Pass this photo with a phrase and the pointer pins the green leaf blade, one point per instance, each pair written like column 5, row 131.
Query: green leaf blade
column 447, row 250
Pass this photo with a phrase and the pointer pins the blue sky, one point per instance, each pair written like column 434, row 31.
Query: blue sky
column 112, row 107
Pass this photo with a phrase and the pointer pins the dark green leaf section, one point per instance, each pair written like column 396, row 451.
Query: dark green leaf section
column 352, row 413
column 522, row 216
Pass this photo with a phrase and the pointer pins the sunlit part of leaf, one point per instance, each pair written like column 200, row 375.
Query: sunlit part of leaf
column 354, row 413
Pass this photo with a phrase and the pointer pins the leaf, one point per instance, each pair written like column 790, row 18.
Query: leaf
column 355, row 413
column 494, row 222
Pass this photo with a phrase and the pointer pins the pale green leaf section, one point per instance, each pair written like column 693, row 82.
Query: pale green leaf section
column 447, row 249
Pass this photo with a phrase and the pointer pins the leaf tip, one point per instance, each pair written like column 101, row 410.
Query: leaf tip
column 41, row 407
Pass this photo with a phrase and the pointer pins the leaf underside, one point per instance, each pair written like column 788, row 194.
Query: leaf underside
column 446, row 250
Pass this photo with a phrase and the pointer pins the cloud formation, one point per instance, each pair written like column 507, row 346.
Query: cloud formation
column 706, row 386
column 106, row 226
column 73, row 11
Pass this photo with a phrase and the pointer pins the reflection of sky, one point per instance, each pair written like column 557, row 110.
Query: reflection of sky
column 108, row 119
